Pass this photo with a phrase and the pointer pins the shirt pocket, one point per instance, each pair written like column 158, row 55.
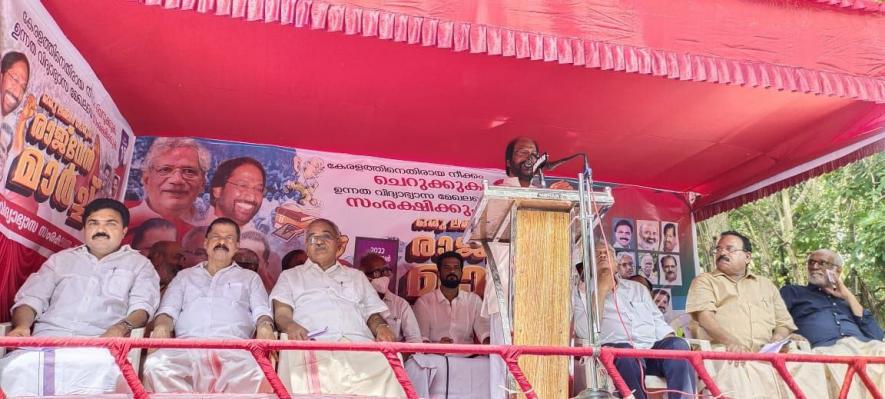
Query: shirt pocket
column 118, row 283
column 235, row 292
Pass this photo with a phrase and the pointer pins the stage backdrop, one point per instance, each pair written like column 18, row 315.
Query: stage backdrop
column 408, row 212
column 62, row 140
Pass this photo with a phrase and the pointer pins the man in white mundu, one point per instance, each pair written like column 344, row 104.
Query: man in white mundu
column 450, row 315
column 96, row 289
column 325, row 300
column 214, row 299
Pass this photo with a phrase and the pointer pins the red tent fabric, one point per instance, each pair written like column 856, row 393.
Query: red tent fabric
column 728, row 99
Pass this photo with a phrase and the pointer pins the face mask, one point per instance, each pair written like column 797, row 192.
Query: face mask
column 381, row 284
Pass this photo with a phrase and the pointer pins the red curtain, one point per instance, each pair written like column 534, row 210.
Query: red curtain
column 17, row 262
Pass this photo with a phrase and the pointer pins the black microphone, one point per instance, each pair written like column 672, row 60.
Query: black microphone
column 555, row 164
column 535, row 162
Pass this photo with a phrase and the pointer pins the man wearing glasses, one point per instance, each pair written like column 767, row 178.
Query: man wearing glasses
column 173, row 175
column 835, row 323
column 400, row 317
column 326, row 301
column 742, row 311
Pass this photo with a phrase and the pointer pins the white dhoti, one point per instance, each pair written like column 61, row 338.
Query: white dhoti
column 836, row 372
column 204, row 371
column 759, row 380
column 62, row 371
column 456, row 377
column 339, row 372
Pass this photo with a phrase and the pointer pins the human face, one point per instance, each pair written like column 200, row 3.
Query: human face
column 193, row 251
column 13, row 84
column 668, row 265
column 818, row 263
column 625, row 266
column 298, row 259
column 623, row 235
column 103, row 232
column 731, row 258
column 322, row 244
column 154, row 236
column 523, row 149
column 648, row 265
column 376, row 267
column 174, row 255
column 258, row 248
column 247, row 259
column 173, row 182
column 450, row 272
column 221, row 243
column 604, row 257
column 662, row 301
column 670, row 240
column 649, row 234
column 241, row 195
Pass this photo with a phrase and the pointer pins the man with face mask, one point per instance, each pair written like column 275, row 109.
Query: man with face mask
column 99, row 289
column 324, row 300
column 214, row 299
column 834, row 321
column 400, row 316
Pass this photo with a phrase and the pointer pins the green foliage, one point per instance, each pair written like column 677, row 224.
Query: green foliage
column 841, row 210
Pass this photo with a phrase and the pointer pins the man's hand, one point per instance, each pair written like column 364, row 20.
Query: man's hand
column 736, row 348
column 19, row 332
column 561, row 185
column 116, row 331
column 605, row 283
column 446, row 340
column 296, row 332
column 265, row 331
column 161, row 331
column 383, row 334
column 841, row 291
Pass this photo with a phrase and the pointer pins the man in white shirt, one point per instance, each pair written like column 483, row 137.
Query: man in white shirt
column 448, row 314
column 630, row 319
column 324, row 300
column 215, row 299
column 399, row 316
column 96, row 289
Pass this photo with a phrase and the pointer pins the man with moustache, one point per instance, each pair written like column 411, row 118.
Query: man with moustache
column 629, row 318
column 99, row 289
column 257, row 243
column 152, row 231
column 399, row 316
column 167, row 258
column 671, row 242
column 649, row 235
column 647, row 268
column 450, row 315
column 215, row 299
column 326, row 301
column 626, row 269
column 834, row 321
column 15, row 72
column 735, row 308
column 173, row 175
column 624, row 234
column 192, row 245
column 237, row 190
column 669, row 270
column 662, row 300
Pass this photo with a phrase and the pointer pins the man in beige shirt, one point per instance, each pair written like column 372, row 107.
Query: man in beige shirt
column 742, row 311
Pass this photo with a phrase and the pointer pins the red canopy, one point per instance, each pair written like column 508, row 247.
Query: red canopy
column 728, row 99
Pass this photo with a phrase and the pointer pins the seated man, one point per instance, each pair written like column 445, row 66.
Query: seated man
column 630, row 319
column 399, row 316
column 324, row 300
column 96, row 289
column 167, row 258
column 741, row 311
column 215, row 299
column 448, row 314
column 829, row 315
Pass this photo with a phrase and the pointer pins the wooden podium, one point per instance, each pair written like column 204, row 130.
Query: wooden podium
column 533, row 290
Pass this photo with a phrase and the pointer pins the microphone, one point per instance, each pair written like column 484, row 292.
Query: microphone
column 555, row 164
column 536, row 163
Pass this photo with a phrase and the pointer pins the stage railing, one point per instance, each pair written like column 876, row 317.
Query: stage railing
column 261, row 349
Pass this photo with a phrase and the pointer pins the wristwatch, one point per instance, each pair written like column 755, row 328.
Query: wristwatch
column 126, row 323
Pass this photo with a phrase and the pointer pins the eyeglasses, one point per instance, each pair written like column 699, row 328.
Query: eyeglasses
column 822, row 263
column 525, row 153
column 385, row 272
column 729, row 250
column 319, row 239
column 187, row 173
column 246, row 187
